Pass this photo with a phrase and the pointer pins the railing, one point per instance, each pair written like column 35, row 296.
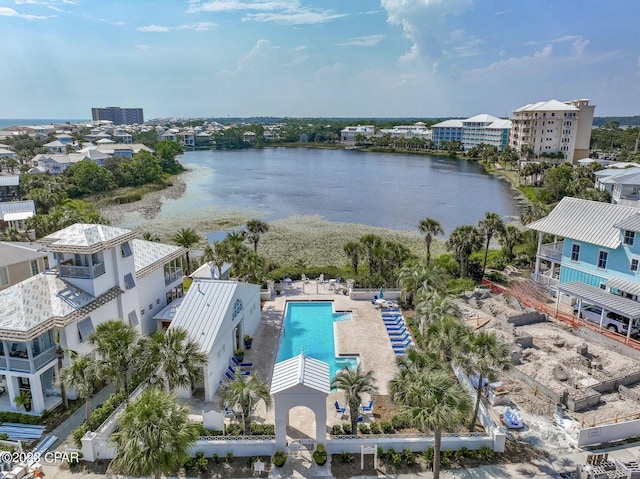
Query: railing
column 546, row 280
column 173, row 277
column 3, row 362
column 236, row 438
column 18, row 364
column 408, row 436
column 69, row 271
column 552, row 250
column 42, row 359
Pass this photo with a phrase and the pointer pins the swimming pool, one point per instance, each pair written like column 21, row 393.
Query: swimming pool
column 308, row 328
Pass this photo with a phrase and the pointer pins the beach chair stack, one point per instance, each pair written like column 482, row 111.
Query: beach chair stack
column 397, row 330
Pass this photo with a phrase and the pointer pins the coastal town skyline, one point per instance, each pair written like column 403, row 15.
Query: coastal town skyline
column 371, row 58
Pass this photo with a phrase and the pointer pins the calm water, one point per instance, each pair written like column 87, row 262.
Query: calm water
column 376, row 189
column 308, row 329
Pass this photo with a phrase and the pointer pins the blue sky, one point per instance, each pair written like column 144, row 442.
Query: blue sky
column 347, row 58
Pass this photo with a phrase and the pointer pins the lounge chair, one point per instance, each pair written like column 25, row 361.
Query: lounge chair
column 340, row 410
column 304, row 278
column 229, row 411
column 398, row 338
column 238, row 364
column 395, row 327
column 402, row 345
column 366, row 408
column 390, row 310
column 391, row 322
column 320, row 278
column 400, row 341
column 397, row 332
column 233, row 371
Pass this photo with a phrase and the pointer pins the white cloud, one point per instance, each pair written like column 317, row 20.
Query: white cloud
column 10, row 12
column 239, row 5
column 366, row 41
column 302, row 17
column 198, row 27
column 153, row 28
column 502, row 12
column 261, row 51
column 330, row 71
column 298, row 60
column 515, row 63
column 142, row 46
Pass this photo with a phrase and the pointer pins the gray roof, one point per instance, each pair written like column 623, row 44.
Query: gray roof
column 9, row 180
column 593, row 295
column 149, row 255
column 86, row 238
column 585, row 220
column 203, row 310
column 448, row 124
column 632, row 178
column 9, row 208
column 632, row 223
column 13, row 253
column 301, row 370
column 631, row 287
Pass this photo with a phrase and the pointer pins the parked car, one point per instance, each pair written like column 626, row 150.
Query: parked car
column 612, row 321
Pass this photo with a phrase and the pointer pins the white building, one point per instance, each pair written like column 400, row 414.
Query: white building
column 99, row 273
column 485, row 129
column 348, row 134
column 551, row 127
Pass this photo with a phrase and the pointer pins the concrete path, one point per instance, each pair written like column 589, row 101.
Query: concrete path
column 64, row 431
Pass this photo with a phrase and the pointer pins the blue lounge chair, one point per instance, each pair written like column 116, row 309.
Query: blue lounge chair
column 402, row 345
column 400, row 339
column 391, row 324
column 229, row 411
column 390, row 310
column 393, row 319
column 233, row 371
column 400, row 333
column 395, row 328
column 239, row 364
column 366, row 408
column 340, row 410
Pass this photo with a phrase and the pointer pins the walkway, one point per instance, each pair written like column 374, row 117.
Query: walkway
column 64, row 432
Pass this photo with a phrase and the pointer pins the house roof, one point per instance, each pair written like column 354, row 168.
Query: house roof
column 203, row 310
column 632, row 223
column 17, row 210
column 585, row 220
column 551, row 105
column 448, row 124
column 86, row 238
column 301, row 370
column 593, row 295
column 43, row 301
column 14, row 253
column 500, row 124
column 483, row 118
column 6, row 180
column 632, row 178
column 631, row 287
column 209, row 271
column 149, row 255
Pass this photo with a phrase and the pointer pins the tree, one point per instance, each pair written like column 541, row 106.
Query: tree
column 83, row 376
column 370, row 242
column 430, row 228
column 115, row 343
column 510, row 237
column 237, row 248
column 432, row 401
column 488, row 357
column 89, row 177
column 217, row 253
column 167, row 151
column 353, row 250
column 154, row 436
column 170, row 360
column 256, row 228
column 60, row 353
column 354, row 383
column 244, row 393
column 463, row 241
column 186, row 237
column 415, row 278
column 490, row 225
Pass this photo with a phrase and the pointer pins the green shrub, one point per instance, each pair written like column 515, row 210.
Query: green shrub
column 459, row 285
column 346, row 428
column 279, row 458
column 427, row 455
column 461, row 453
column 408, row 457
column 262, row 429
column 497, row 277
column 216, row 458
column 228, row 456
column 363, row 428
column 375, row 428
column 346, row 457
column 199, row 463
column 19, row 418
column 396, row 458
column 102, row 413
column 126, row 198
column 234, row 429
column 387, row 427
column 398, row 422
column 486, row 453
column 78, row 434
column 446, row 457
column 336, row 430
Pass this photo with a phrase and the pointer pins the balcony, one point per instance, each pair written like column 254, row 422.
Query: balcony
column 546, row 280
column 552, row 251
column 85, row 272
column 24, row 364
column 173, row 277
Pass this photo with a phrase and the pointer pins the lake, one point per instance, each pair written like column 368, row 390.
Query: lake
column 388, row 190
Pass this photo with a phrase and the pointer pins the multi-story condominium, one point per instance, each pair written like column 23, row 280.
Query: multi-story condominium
column 595, row 255
column 446, row 131
column 348, row 134
column 99, row 273
column 118, row 116
column 485, row 129
column 552, row 127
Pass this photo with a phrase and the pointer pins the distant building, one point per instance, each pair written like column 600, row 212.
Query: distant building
column 118, row 116
column 480, row 129
column 553, row 127
column 9, row 188
column 348, row 134
column 446, row 131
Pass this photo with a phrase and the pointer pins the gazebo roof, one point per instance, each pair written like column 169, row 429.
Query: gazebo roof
column 301, row 370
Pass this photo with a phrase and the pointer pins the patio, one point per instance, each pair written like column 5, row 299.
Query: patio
column 364, row 336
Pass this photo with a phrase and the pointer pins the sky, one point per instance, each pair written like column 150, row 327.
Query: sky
column 316, row 58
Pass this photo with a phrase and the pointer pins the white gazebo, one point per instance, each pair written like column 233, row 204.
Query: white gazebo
column 300, row 381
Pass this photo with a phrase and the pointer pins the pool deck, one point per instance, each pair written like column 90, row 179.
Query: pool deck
column 364, row 336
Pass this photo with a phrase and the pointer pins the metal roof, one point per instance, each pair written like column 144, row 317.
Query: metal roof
column 149, row 255
column 6, row 180
column 631, row 287
column 86, row 238
column 13, row 253
column 584, row 220
column 632, row 223
column 205, row 307
column 10, row 207
column 301, row 370
column 611, row 302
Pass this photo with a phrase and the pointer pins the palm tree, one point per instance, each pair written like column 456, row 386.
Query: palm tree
column 488, row 357
column 415, row 278
column 490, row 225
column 237, row 248
column 430, row 228
column 432, row 401
column 244, row 393
column 217, row 253
column 510, row 237
column 170, row 360
column 353, row 250
column 464, row 240
column 431, row 307
column 186, row 237
column 154, row 436
column 115, row 343
column 447, row 337
column 83, row 376
column 532, row 212
column 354, row 383
column 149, row 236
column 256, row 228
column 370, row 242
column 60, row 352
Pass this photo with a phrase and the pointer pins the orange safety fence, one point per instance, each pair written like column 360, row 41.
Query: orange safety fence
column 569, row 319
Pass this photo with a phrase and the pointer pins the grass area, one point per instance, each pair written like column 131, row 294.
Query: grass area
column 106, row 199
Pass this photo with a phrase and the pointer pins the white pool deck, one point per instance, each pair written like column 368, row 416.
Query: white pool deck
column 365, row 336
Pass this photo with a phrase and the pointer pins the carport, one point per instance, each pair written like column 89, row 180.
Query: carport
column 604, row 299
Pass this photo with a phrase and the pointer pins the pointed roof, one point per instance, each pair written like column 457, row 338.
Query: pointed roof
column 301, row 370
column 551, row 105
column 86, row 238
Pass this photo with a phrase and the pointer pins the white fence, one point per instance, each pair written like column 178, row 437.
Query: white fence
column 367, row 294
column 591, row 436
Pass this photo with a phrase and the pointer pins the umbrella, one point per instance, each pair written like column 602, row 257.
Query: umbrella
column 381, row 295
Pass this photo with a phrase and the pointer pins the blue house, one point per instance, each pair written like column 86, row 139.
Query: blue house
column 594, row 256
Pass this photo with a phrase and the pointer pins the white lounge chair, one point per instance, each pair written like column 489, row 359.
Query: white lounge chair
column 304, row 278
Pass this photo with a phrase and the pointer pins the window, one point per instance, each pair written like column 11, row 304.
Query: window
column 237, row 308
column 575, row 252
column 629, row 236
column 634, row 265
column 126, row 250
column 133, row 318
column 4, row 276
column 34, row 267
column 603, row 256
column 85, row 328
column 142, row 311
column 128, row 281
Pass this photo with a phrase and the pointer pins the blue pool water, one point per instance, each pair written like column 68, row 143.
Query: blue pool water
column 308, row 329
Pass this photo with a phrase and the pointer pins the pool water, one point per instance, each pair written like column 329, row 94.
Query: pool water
column 308, row 329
